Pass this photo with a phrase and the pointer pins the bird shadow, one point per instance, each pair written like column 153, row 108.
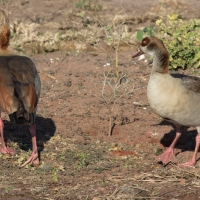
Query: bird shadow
column 45, row 129
column 185, row 143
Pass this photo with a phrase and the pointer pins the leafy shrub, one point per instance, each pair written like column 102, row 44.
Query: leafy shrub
column 182, row 40
column 147, row 31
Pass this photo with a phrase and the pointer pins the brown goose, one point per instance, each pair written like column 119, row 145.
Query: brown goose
column 175, row 98
column 19, row 89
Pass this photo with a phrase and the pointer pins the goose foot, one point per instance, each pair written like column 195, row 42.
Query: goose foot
column 6, row 150
column 190, row 163
column 34, row 156
column 33, row 160
column 167, row 156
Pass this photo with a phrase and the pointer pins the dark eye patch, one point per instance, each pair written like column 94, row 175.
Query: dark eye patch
column 145, row 41
column 151, row 46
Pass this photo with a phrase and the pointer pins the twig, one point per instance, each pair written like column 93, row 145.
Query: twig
column 8, row 4
column 197, row 175
column 50, row 76
column 148, row 197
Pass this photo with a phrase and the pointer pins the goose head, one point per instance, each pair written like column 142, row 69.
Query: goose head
column 4, row 31
column 155, row 48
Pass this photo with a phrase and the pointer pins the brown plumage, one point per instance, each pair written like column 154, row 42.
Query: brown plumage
column 174, row 97
column 19, row 89
column 4, row 30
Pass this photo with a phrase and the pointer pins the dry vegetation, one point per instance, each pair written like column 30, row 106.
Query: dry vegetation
column 85, row 29
column 88, row 78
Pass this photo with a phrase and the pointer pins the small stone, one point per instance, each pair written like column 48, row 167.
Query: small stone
column 46, row 167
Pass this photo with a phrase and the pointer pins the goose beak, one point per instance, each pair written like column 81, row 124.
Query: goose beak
column 138, row 53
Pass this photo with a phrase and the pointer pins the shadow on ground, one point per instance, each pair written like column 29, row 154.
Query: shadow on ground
column 45, row 130
column 186, row 141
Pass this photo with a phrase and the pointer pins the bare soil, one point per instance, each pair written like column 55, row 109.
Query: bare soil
column 79, row 160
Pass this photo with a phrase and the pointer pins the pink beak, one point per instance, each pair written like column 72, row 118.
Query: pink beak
column 138, row 53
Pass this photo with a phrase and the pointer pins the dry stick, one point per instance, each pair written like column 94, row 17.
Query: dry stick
column 117, row 58
column 118, row 43
column 148, row 197
column 7, row 9
column 111, row 102
column 111, row 119
column 111, row 124
column 117, row 61
column 117, row 53
column 135, row 197
column 117, row 49
column 194, row 174
column 110, row 127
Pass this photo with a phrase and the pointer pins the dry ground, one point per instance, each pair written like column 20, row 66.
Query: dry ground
column 78, row 158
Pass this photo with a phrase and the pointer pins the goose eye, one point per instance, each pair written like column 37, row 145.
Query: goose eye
column 145, row 41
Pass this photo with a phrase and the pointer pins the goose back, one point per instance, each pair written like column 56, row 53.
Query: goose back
column 19, row 88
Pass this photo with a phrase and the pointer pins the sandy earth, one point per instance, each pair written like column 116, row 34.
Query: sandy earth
column 78, row 158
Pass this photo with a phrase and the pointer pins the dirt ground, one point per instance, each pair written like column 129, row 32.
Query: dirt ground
column 79, row 160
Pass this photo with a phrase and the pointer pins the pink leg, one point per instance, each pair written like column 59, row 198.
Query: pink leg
column 4, row 149
column 34, row 156
column 168, row 155
column 192, row 162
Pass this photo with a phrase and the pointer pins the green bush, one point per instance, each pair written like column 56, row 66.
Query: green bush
column 182, row 40
column 147, row 31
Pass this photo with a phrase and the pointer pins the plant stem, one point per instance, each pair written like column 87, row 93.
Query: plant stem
column 111, row 125
column 117, row 62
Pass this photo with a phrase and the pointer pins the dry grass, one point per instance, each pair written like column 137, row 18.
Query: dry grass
column 72, row 162
column 81, row 33
column 87, row 30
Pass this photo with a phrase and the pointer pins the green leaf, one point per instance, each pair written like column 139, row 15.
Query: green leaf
column 152, row 26
column 150, row 33
column 145, row 30
column 182, row 41
column 139, row 35
column 100, row 7
column 78, row 5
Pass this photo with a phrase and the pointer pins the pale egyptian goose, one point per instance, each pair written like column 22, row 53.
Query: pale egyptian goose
column 19, row 89
column 175, row 98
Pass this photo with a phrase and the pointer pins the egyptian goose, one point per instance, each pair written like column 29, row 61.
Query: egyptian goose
column 19, row 90
column 174, row 97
